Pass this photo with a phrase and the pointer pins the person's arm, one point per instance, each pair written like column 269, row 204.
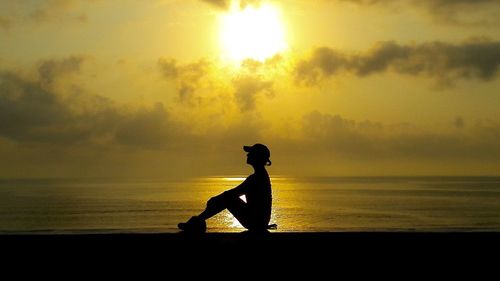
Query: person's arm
column 240, row 189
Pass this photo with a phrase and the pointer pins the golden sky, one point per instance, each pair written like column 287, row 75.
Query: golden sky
column 160, row 88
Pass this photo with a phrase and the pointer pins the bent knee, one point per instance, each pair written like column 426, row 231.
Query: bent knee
column 210, row 201
column 214, row 201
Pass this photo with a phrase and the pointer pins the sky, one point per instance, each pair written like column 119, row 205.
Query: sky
column 171, row 88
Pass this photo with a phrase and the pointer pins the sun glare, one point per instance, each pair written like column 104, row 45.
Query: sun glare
column 252, row 32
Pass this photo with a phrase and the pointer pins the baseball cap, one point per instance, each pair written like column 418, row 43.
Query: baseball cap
column 259, row 149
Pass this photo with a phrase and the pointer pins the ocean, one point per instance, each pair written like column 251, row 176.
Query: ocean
column 309, row 204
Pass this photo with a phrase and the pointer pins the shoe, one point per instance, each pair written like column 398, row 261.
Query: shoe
column 194, row 224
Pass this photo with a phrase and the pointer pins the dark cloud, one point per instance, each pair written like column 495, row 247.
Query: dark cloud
column 50, row 10
column 343, row 136
column 192, row 72
column 49, row 127
column 456, row 3
column 460, row 12
column 438, row 3
column 459, row 122
column 47, row 9
column 460, row 2
column 169, row 68
column 251, row 83
column 463, row 12
column 261, row 67
column 5, row 23
column 445, row 62
column 226, row 4
column 254, row 81
column 324, row 62
column 30, row 112
column 187, row 77
column 247, row 88
column 194, row 78
column 147, row 128
column 49, row 70
column 364, row 140
column 222, row 4
column 13, row 13
column 33, row 113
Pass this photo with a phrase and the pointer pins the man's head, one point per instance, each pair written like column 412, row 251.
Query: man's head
column 258, row 154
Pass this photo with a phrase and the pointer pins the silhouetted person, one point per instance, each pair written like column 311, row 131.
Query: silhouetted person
column 255, row 213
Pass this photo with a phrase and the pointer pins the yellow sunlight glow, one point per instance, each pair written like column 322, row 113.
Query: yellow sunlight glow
column 234, row 179
column 254, row 32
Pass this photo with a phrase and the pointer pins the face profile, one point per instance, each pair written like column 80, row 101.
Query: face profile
column 258, row 154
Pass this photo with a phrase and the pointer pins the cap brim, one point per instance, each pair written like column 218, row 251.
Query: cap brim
column 247, row 148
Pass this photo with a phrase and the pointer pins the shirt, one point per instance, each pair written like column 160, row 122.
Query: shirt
column 257, row 190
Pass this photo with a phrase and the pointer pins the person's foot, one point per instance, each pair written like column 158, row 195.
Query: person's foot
column 194, row 224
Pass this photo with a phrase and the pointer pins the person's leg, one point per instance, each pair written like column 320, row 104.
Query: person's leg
column 238, row 208
column 248, row 219
column 215, row 205
column 218, row 203
column 235, row 205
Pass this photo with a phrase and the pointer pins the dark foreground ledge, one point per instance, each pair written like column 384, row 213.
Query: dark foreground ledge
column 346, row 242
column 315, row 254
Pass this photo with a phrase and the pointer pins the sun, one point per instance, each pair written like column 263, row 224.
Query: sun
column 253, row 32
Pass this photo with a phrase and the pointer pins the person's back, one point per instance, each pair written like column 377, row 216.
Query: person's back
column 259, row 197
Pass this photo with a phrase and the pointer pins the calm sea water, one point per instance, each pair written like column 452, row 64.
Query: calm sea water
column 299, row 204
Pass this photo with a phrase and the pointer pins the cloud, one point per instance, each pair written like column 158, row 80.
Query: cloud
column 438, row 3
column 226, row 4
column 50, row 70
column 248, row 87
column 459, row 122
column 192, row 72
column 457, row 3
column 204, row 82
column 324, row 62
column 50, row 10
column 31, row 112
column 445, row 62
column 146, row 128
column 48, row 127
column 460, row 12
column 463, row 12
column 5, row 23
column 63, row 133
column 13, row 13
column 188, row 77
column 336, row 135
column 222, row 4
column 340, row 135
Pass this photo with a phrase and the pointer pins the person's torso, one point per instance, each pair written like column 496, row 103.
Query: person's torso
column 259, row 195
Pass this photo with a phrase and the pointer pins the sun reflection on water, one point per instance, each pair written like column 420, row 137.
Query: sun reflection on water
column 232, row 221
column 233, row 179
